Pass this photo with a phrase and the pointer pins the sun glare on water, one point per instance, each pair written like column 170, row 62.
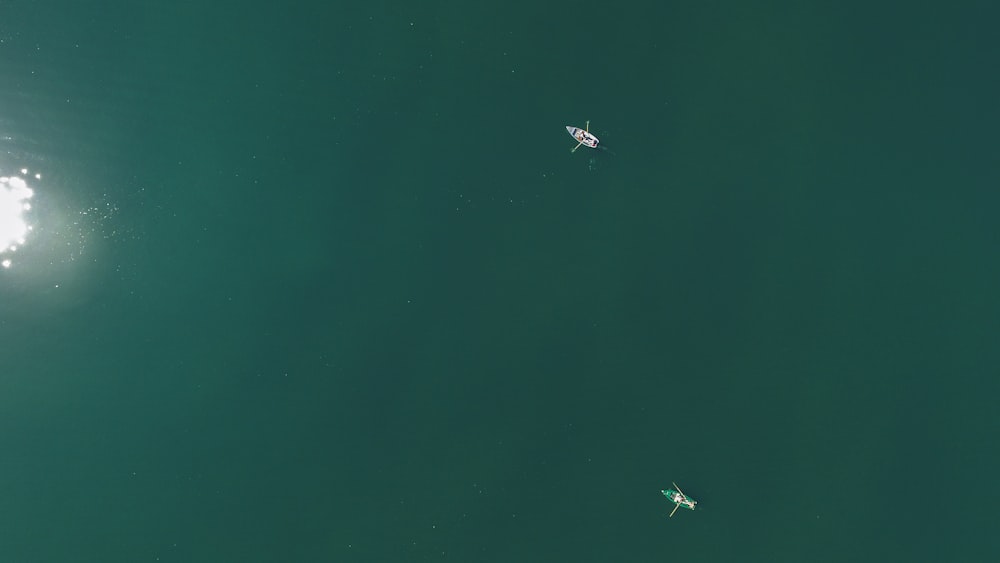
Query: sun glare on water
column 15, row 202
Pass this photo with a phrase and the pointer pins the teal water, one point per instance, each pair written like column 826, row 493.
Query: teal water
column 325, row 283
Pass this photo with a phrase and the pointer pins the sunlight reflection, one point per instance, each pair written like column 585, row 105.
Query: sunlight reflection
column 14, row 204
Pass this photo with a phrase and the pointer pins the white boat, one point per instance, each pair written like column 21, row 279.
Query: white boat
column 583, row 137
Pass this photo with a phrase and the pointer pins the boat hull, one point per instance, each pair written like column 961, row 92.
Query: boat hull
column 680, row 499
column 583, row 136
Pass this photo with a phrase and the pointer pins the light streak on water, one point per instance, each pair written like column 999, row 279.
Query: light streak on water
column 15, row 203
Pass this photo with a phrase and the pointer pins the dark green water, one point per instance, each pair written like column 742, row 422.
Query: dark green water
column 324, row 283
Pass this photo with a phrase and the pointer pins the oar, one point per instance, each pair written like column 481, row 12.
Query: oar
column 676, row 506
column 576, row 147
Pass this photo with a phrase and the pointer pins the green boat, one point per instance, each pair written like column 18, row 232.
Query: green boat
column 679, row 499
